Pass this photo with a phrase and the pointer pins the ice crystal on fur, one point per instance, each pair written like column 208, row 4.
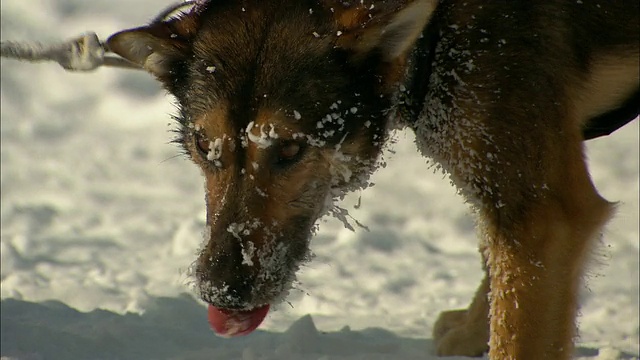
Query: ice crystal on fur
column 215, row 150
column 444, row 128
column 265, row 139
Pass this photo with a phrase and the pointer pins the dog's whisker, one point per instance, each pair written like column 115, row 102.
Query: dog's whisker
column 173, row 157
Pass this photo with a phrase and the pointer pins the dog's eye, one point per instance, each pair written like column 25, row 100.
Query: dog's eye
column 202, row 143
column 289, row 152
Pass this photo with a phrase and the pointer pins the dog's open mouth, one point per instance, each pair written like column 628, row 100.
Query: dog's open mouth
column 231, row 323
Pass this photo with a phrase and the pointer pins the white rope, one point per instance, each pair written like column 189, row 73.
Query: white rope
column 84, row 53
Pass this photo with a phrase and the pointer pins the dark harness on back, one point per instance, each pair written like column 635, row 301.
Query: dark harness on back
column 411, row 102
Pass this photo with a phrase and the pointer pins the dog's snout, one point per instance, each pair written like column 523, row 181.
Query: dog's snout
column 225, row 278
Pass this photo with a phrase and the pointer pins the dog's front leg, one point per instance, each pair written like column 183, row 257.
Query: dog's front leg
column 535, row 268
column 539, row 214
column 465, row 332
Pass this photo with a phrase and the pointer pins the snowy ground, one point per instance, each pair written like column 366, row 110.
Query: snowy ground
column 100, row 220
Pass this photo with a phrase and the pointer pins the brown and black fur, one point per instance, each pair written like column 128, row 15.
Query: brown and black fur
column 286, row 103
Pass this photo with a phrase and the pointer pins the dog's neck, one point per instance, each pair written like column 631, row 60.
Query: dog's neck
column 412, row 93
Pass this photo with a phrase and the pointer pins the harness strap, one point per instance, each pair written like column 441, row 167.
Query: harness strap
column 410, row 100
column 613, row 120
column 412, row 96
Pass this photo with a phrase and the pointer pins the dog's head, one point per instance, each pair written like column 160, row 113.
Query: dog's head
column 283, row 104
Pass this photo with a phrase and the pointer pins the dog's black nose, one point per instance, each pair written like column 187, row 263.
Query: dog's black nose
column 224, row 278
column 234, row 296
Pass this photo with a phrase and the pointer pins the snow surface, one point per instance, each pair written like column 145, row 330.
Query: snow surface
column 101, row 219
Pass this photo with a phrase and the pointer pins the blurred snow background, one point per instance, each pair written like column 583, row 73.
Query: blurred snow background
column 100, row 220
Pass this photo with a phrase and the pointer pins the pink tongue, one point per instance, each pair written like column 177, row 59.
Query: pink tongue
column 231, row 323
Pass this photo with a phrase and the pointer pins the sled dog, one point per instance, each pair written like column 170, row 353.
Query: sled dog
column 284, row 104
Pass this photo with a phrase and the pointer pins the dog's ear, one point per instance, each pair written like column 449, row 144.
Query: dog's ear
column 156, row 47
column 390, row 27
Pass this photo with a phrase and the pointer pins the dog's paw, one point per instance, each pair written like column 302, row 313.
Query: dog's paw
column 455, row 334
column 447, row 321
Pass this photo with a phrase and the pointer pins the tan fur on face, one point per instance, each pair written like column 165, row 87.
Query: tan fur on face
column 255, row 168
column 214, row 125
column 279, row 190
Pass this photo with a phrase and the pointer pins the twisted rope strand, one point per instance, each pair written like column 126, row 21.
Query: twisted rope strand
column 85, row 53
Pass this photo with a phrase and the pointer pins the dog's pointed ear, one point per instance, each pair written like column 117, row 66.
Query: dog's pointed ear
column 156, row 47
column 391, row 27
